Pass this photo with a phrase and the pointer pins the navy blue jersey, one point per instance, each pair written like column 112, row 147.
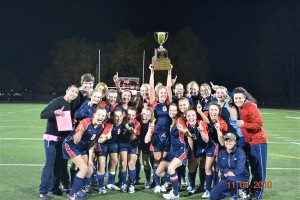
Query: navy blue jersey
column 178, row 139
column 85, row 111
column 198, row 143
column 163, row 121
column 115, row 132
column 119, row 105
column 89, row 135
column 205, row 104
column 212, row 132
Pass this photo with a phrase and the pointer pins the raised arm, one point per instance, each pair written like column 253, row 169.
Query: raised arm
column 169, row 84
column 151, row 83
column 117, row 84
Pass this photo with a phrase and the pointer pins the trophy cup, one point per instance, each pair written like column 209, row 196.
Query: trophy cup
column 160, row 60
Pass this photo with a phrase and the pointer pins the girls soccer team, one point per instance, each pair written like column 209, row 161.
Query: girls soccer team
column 181, row 131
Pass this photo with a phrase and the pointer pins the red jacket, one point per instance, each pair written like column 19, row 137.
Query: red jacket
column 252, row 129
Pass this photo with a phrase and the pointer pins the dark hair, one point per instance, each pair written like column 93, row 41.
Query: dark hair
column 215, row 104
column 88, row 78
column 243, row 91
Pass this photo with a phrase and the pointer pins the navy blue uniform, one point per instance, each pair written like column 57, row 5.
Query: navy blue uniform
column 160, row 140
column 234, row 162
column 111, row 145
column 85, row 111
column 199, row 146
column 71, row 150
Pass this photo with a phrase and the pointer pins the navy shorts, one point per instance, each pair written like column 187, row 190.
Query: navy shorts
column 70, row 150
column 160, row 143
column 199, row 152
column 108, row 148
column 128, row 147
column 181, row 155
column 212, row 149
column 145, row 148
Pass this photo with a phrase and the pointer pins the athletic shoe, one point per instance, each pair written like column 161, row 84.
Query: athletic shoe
column 191, row 191
column 157, row 189
column 81, row 194
column 170, row 195
column 163, row 188
column 131, row 189
column 57, row 191
column 206, row 194
column 66, row 188
column 183, row 182
column 112, row 187
column 102, row 190
column 74, row 197
column 88, row 189
column 147, row 185
column 243, row 194
column 124, row 188
column 200, row 188
column 43, row 196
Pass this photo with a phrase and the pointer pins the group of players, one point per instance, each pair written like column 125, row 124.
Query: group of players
column 177, row 129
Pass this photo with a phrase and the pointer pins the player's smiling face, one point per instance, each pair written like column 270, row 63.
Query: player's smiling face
column 239, row 99
column 96, row 97
column 99, row 116
column 173, row 111
column 162, row 95
column 145, row 92
column 179, row 90
column 118, row 117
column 112, row 98
column 229, row 144
column 131, row 114
column 72, row 93
column 220, row 94
column 214, row 112
column 146, row 115
column 191, row 117
column 126, row 96
column 183, row 105
column 205, row 92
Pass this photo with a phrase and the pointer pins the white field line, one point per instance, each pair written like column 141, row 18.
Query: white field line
column 295, row 143
column 22, row 127
column 41, row 165
column 21, row 138
column 281, row 137
column 27, row 110
column 281, row 132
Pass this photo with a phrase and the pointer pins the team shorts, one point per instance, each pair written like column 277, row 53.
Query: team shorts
column 160, row 143
column 108, row 148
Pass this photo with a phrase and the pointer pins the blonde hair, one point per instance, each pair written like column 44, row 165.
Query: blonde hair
column 151, row 111
column 105, row 88
column 192, row 84
column 158, row 87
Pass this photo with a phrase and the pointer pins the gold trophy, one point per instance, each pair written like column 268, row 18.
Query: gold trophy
column 160, row 60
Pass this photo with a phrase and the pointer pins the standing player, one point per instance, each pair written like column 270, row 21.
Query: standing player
column 79, row 147
column 160, row 142
column 197, row 151
column 178, row 152
column 251, row 125
column 128, row 150
column 55, row 165
column 216, row 128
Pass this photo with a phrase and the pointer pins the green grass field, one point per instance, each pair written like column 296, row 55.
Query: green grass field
column 22, row 155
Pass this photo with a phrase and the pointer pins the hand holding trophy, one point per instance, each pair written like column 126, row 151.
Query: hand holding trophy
column 160, row 60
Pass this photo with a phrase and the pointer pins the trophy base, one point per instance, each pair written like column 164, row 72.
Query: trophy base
column 161, row 64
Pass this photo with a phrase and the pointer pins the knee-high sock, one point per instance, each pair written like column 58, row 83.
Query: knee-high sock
column 147, row 174
column 208, row 180
column 175, row 183
column 192, row 178
column 111, row 178
column 202, row 176
column 138, row 168
column 100, row 178
column 77, row 185
column 156, row 178
column 132, row 176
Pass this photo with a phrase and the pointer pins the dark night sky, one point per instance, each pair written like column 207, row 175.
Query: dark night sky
column 30, row 28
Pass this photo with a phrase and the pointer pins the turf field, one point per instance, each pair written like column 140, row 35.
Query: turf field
column 22, row 155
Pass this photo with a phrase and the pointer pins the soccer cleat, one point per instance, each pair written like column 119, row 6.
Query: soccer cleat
column 131, row 189
column 124, row 188
column 66, row 188
column 206, row 194
column 183, row 182
column 191, row 190
column 147, row 185
column 102, row 190
column 43, row 196
column 163, row 188
column 170, row 195
column 88, row 189
column 243, row 194
column 81, row 194
column 157, row 189
column 74, row 197
column 112, row 187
